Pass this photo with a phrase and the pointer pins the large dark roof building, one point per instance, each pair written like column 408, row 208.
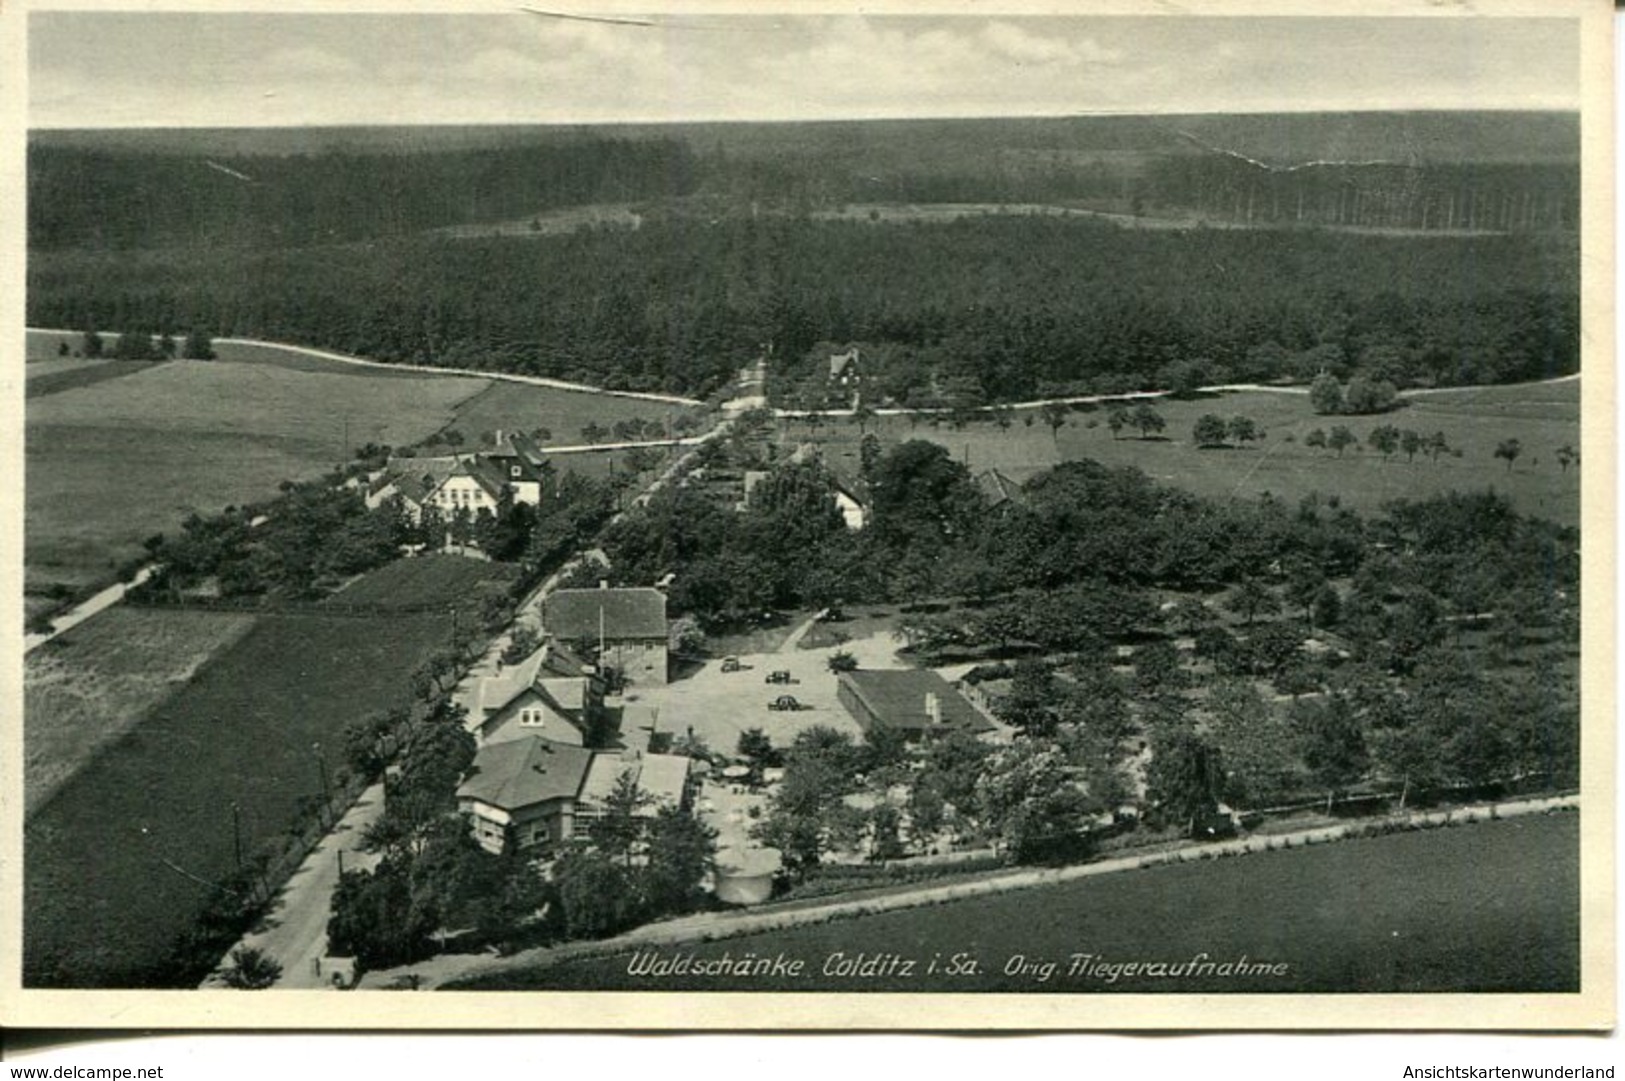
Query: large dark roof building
column 629, row 624
column 916, row 702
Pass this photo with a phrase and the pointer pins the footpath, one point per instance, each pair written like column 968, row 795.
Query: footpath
column 715, row 926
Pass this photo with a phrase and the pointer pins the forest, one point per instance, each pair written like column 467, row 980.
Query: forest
column 1007, row 306
column 120, row 199
column 234, row 188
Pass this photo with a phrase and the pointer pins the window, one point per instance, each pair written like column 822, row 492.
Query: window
column 531, row 717
column 515, row 471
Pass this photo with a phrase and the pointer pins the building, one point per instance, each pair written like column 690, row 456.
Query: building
column 534, row 794
column 998, row 491
column 552, row 694
column 844, row 370
column 522, row 465
column 625, row 626
column 916, row 702
column 514, row 466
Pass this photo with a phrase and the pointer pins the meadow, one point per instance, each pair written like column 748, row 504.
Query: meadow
column 116, row 863
column 1492, row 907
column 451, row 580
column 85, row 688
column 525, row 407
column 1543, row 417
column 111, row 461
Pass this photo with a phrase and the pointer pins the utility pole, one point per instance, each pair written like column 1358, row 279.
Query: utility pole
column 327, row 795
column 237, row 833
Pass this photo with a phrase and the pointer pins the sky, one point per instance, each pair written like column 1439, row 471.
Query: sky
column 185, row 69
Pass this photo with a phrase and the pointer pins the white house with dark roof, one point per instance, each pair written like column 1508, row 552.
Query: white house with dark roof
column 534, row 793
column 625, row 626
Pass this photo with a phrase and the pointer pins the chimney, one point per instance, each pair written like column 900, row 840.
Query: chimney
column 496, row 438
column 603, row 583
column 933, row 707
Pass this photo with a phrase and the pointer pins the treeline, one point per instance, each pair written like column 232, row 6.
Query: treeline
column 1010, row 307
column 1501, row 197
column 124, row 199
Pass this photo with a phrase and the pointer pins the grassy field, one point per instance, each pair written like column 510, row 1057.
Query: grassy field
column 103, row 895
column 1485, row 908
column 1542, row 418
column 428, row 579
column 524, row 407
column 84, row 689
column 110, row 464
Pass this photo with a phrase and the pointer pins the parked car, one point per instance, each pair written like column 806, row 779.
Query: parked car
column 785, row 702
column 781, row 676
column 730, row 664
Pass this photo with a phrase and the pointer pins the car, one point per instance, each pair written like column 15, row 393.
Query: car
column 785, row 702
column 730, row 664
column 781, row 676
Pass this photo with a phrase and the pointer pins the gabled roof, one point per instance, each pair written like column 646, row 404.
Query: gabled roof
column 552, row 670
column 487, row 475
column 898, row 700
column 517, row 445
column 840, row 362
column 660, row 776
column 637, row 612
column 996, row 488
column 415, row 478
column 524, row 772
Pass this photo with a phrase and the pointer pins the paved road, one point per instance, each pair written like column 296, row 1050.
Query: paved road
column 506, row 377
column 76, row 615
column 1138, row 395
column 295, row 930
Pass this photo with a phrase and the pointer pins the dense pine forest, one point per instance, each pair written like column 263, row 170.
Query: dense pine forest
column 1015, row 305
column 1280, row 262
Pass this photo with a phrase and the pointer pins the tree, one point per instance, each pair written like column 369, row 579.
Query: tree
column 199, row 346
column 682, row 855
column 1054, row 414
column 1411, row 441
column 1341, row 439
column 619, row 831
column 1028, row 794
column 1365, row 395
column 1326, row 394
column 1252, row 598
column 1030, row 703
column 1383, row 438
column 92, row 346
column 522, row 642
column 842, row 660
column 1117, row 418
column 1436, row 445
column 1210, row 430
column 757, row 746
column 1252, row 743
column 1567, row 456
column 1243, row 429
column 1330, row 742
column 1328, row 608
column 1148, row 420
column 1316, row 438
column 595, row 895
column 1184, row 777
column 251, row 969
column 863, row 416
column 1509, row 449
column 593, row 432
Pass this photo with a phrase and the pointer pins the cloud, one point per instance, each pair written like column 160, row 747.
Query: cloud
column 1023, row 47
